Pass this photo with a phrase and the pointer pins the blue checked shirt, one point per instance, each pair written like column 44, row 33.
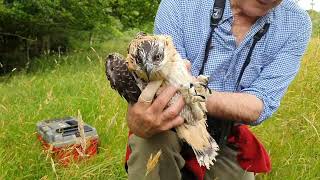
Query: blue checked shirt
column 274, row 62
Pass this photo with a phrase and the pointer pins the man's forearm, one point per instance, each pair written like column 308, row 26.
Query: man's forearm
column 234, row 106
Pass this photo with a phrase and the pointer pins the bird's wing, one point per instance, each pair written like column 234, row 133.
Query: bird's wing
column 121, row 79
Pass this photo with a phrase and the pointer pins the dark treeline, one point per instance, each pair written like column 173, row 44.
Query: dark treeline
column 29, row 28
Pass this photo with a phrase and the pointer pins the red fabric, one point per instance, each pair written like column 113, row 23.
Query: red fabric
column 193, row 166
column 252, row 155
column 128, row 151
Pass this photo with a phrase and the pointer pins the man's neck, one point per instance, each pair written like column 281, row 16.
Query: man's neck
column 241, row 22
column 237, row 12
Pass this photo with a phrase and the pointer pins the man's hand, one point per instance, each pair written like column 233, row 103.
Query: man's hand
column 146, row 118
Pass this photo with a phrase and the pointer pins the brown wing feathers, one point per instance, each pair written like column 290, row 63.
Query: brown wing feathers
column 121, row 79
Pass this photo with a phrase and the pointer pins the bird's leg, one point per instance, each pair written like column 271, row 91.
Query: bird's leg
column 188, row 95
column 195, row 95
column 200, row 89
column 198, row 111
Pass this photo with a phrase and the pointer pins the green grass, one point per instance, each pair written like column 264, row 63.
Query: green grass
column 292, row 134
column 76, row 82
column 62, row 86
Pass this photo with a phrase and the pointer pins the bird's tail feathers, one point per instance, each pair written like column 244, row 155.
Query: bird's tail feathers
column 203, row 145
column 207, row 156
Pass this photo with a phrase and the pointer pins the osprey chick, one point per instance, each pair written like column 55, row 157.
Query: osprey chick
column 154, row 58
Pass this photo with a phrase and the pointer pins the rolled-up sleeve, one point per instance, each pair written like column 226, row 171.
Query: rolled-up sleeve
column 276, row 76
column 169, row 21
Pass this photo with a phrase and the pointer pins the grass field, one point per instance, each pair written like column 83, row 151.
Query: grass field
column 62, row 86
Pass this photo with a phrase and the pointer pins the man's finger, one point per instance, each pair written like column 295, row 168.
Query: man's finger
column 162, row 100
column 177, row 121
column 173, row 110
column 149, row 92
column 187, row 64
column 160, row 90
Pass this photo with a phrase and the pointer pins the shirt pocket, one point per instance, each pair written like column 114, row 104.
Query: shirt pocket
column 259, row 60
column 250, row 74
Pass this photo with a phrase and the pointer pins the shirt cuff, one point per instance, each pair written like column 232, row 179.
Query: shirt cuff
column 264, row 113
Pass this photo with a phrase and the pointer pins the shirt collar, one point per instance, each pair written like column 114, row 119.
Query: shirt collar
column 227, row 14
column 268, row 18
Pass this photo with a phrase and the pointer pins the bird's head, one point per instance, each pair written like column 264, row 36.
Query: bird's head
column 146, row 55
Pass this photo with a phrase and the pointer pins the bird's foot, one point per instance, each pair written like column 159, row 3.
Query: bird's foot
column 195, row 96
column 199, row 89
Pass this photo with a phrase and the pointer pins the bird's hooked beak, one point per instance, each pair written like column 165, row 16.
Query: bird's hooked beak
column 148, row 69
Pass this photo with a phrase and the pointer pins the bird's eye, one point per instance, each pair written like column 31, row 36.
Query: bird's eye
column 139, row 60
column 157, row 57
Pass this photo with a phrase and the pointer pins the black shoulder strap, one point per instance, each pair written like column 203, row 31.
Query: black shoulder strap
column 256, row 38
column 217, row 14
column 229, row 124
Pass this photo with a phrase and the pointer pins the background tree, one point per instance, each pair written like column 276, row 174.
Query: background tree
column 33, row 27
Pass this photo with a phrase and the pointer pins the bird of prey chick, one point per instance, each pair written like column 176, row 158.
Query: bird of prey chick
column 153, row 58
